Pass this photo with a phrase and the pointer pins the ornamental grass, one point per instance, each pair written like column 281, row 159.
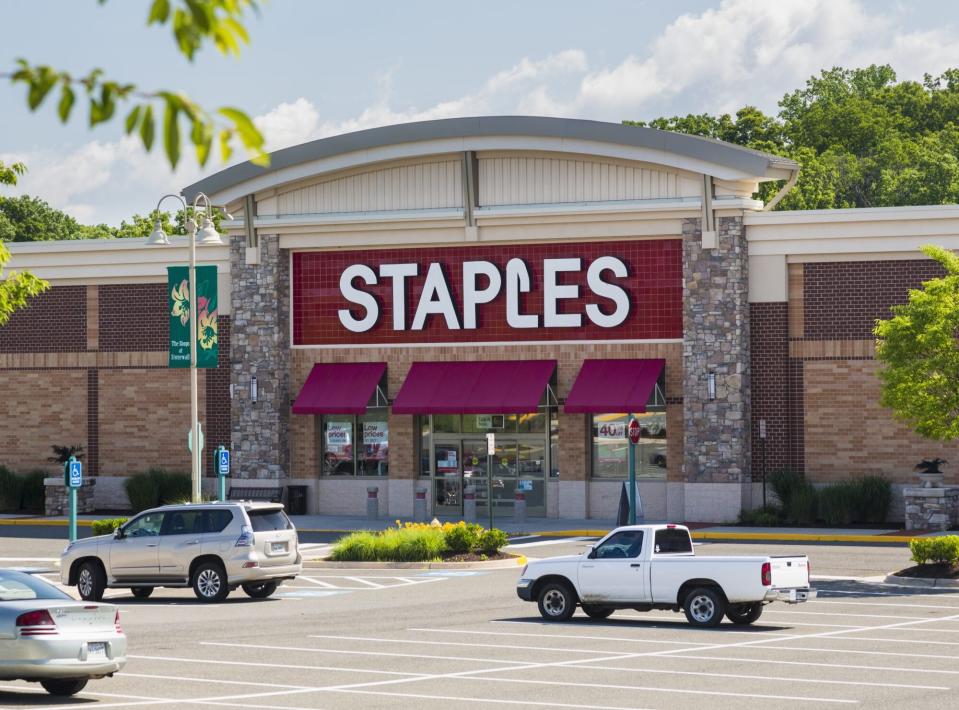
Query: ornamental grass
column 418, row 542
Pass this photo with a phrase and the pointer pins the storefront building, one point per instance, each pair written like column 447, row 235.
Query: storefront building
column 390, row 297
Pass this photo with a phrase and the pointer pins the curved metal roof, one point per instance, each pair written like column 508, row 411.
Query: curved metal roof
column 734, row 157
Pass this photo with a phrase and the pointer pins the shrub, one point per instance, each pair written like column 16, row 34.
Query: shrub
column 355, row 547
column 411, row 545
column 490, row 541
column 939, row 550
column 784, row 482
column 803, row 504
column 873, row 499
column 767, row 516
column 11, row 486
column 33, row 495
column 462, row 537
column 838, row 502
column 157, row 487
column 105, row 527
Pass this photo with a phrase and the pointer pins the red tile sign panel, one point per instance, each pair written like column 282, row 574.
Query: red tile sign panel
column 620, row 290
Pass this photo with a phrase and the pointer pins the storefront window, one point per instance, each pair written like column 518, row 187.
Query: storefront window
column 553, row 443
column 489, row 423
column 355, row 445
column 446, row 423
column 611, row 447
column 424, row 446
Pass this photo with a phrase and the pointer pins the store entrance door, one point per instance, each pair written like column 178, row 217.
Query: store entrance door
column 449, row 480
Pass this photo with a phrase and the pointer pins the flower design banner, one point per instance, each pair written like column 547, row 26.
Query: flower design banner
column 178, row 286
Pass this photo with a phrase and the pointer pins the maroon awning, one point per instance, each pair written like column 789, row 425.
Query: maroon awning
column 613, row 386
column 339, row 388
column 491, row 387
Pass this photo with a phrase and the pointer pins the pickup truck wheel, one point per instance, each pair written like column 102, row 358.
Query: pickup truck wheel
column 556, row 601
column 744, row 614
column 91, row 582
column 704, row 607
column 141, row 592
column 596, row 612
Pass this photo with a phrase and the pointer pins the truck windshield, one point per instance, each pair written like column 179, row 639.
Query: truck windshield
column 672, row 541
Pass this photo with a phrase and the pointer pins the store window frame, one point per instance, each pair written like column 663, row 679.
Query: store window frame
column 357, row 452
column 650, row 465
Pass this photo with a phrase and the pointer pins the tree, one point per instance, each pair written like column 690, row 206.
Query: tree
column 16, row 288
column 194, row 23
column 862, row 138
column 918, row 348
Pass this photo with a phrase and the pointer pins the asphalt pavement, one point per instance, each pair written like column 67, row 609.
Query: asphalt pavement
column 438, row 639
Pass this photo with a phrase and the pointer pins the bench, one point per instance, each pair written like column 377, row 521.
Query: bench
column 267, row 494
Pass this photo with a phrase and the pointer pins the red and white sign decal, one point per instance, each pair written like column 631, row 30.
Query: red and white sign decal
column 633, row 431
column 585, row 291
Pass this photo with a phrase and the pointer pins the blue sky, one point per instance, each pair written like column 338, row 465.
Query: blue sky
column 319, row 68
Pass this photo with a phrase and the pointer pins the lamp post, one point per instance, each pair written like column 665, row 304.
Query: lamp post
column 208, row 236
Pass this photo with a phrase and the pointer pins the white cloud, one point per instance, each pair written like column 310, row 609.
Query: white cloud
column 741, row 52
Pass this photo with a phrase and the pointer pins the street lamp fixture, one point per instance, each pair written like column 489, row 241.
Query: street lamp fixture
column 208, row 236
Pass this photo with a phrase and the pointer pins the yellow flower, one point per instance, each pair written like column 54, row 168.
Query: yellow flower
column 207, row 330
column 181, row 302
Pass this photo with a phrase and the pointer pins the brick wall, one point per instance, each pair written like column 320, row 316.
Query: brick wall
column 769, row 362
column 41, row 408
column 54, row 321
column 842, row 300
column 847, row 432
column 133, row 317
column 144, row 419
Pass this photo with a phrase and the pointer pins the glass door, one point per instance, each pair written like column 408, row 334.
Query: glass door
column 449, row 480
column 474, row 471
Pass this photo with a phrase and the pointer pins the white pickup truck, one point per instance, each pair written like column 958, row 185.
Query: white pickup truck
column 647, row 567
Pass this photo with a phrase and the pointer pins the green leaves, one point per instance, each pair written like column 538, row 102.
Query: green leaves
column 920, row 356
column 17, row 288
column 10, row 173
column 197, row 21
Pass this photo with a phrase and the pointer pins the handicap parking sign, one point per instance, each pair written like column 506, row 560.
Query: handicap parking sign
column 223, row 462
column 76, row 474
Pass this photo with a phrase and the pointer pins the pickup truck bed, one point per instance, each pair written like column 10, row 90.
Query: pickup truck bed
column 653, row 567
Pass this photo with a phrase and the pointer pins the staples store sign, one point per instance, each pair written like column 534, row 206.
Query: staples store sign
column 580, row 291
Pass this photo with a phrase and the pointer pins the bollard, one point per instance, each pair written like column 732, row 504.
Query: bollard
column 372, row 503
column 419, row 506
column 469, row 504
column 519, row 507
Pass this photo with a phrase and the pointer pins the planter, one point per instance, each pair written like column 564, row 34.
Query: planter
column 931, row 480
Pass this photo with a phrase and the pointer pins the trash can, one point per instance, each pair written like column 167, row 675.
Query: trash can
column 296, row 500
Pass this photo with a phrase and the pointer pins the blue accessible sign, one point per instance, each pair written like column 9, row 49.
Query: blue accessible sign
column 223, row 462
column 76, row 474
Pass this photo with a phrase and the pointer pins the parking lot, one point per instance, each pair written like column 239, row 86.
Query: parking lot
column 432, row 639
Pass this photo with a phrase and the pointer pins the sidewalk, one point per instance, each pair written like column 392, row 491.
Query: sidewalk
column 553, row 527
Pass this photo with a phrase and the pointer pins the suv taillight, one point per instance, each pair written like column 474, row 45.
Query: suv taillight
column 36, row 623
column 767, row 574
column 246, row 537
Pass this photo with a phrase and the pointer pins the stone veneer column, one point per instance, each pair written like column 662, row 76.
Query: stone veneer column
column 715, row 339
column 260, row 346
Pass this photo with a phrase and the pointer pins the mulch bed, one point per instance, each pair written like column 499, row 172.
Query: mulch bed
column 474, row 557
column 932, row 571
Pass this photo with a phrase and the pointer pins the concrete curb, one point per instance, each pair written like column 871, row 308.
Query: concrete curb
column 44, row 521
column 935, row 583
column 517, row 561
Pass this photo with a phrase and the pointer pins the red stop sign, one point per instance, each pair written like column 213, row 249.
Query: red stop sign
column 632, row 431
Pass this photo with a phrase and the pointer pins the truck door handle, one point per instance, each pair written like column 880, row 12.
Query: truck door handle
column 588, row 566
column 152, row 544
column 193, row 542
column 635, row 564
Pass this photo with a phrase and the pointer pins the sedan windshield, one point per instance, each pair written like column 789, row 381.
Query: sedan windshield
column 17, row 585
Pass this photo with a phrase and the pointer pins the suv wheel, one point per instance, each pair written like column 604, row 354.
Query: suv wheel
column 556, row 601
column 209, row 582
column 63, row 686
column 141, row 592
column 91, row 581
column 704, row 607
column 259, row 590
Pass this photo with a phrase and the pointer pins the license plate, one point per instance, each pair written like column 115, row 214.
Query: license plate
column 97, row 650
column 278, row 547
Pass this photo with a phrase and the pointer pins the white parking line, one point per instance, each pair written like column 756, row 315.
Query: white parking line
column 361, row 653
column 882, row 669
column 574, row 636
column 318, row 582
column 899, row 606
column 805, row 649
column 472, row 644
column 365, row 581
column 261, row 665
column 922, row 641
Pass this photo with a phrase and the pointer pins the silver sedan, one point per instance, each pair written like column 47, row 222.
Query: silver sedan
column 48, row 637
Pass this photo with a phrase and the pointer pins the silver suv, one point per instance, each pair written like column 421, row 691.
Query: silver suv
column 212, row 547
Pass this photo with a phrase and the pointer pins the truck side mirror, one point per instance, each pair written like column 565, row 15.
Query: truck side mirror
column 118, row 534
column 591, row 552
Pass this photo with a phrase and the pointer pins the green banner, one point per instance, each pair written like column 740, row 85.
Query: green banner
column 178, row 286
